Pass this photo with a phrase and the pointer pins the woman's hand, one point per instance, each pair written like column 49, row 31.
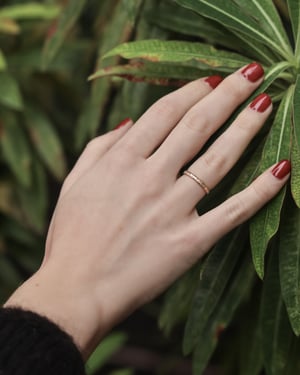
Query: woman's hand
column 125, row 226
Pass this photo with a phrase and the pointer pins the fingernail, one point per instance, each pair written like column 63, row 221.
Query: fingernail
column 123, row 123
column 261, row 103
column 214, row 81
column 282, row 169
column 253, row 72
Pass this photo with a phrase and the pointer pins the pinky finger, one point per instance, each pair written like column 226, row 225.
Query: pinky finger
column 240, row 207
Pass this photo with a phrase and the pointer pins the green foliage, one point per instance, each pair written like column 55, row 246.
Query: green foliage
column 104, row 351
column 225, row 35
column 48, row 111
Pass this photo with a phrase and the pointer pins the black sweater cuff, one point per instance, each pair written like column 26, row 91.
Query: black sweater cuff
column 32, row 344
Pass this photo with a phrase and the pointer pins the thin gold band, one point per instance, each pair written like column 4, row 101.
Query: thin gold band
column 197, row 180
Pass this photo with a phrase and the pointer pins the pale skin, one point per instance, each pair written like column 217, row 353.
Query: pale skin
column 125, row 225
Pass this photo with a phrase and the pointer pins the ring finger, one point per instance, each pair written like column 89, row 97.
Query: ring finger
column 215, row 163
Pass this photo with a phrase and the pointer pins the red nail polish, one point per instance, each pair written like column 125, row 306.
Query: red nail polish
column 261, row 103
column 282, row 169
column 253, row 72
column 123, row 123
column 214, row 81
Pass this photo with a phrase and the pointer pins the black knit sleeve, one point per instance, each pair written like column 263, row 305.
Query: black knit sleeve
column 32, row 344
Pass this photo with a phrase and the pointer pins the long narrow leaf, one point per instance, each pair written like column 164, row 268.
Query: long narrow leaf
column 29, row 11
column 294, row 12
column 118, row 30
column 295, row 178
column 10, row 94
column 156, row 73
column 2, row 61
column 33, row 200
column 230, row 14
column 276, row 331
column 178, row 300
column 265, row 224
column 289, row 247
column 46, row 141
column 268, row 18
column 190, row 53
column 69, row 15
column 15, row 148
column 214, row 278
column 296, row 111
column 173, row 17
column 234, row 295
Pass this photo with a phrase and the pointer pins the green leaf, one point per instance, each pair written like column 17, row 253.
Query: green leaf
column 268, row 18
column 214, row 277
column 296, row 111
column 294, row 12
column 231, row 15
column 10, row 94
column 289, row 256
column 2, row 61
column 34, row 199
column 69, row 16
column 295, row 177
column 104, row 351
column 8, row 204
column 239, row 286
column 265, row 224
column 251, row 360
column 191, row 54
column 8, row 273
column 29, row 11
column 15, row 148
column 276, row 331
column 8, row 26
column 173, row 17
column 122, row 372
column 118, row 30
column 46, row 141
column 161, row 74
column 178, row 300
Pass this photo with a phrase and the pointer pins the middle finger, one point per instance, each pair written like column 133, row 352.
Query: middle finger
column 205, row 117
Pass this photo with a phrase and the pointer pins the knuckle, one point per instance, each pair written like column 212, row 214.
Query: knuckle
column 235, row 89
column 247, row 122
column 196, row 122
column 151, row 186
column 214, row 160
column 165, row 107
column 93, row 144
column 236, row 210
column 261, row 193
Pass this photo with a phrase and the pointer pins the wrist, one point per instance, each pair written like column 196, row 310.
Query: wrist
column 66, row 301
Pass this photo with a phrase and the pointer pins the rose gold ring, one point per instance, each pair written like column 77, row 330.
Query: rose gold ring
column 197, row 180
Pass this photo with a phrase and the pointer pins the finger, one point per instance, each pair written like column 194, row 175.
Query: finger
column 156, row 123
column 241, row 206
column 94, row 150
column 216, row 162
column 204, row 118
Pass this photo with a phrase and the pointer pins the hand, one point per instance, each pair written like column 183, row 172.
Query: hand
column 125, row 226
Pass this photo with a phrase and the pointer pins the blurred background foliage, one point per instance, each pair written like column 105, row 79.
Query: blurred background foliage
column 49, row 111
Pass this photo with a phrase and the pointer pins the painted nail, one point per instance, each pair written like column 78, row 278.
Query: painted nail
column 261, row 102
column 123, row 123
column 282, row 169
column 214, row 81
column 253, row 72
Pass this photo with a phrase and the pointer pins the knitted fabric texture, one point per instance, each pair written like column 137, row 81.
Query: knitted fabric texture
column 32, row 344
